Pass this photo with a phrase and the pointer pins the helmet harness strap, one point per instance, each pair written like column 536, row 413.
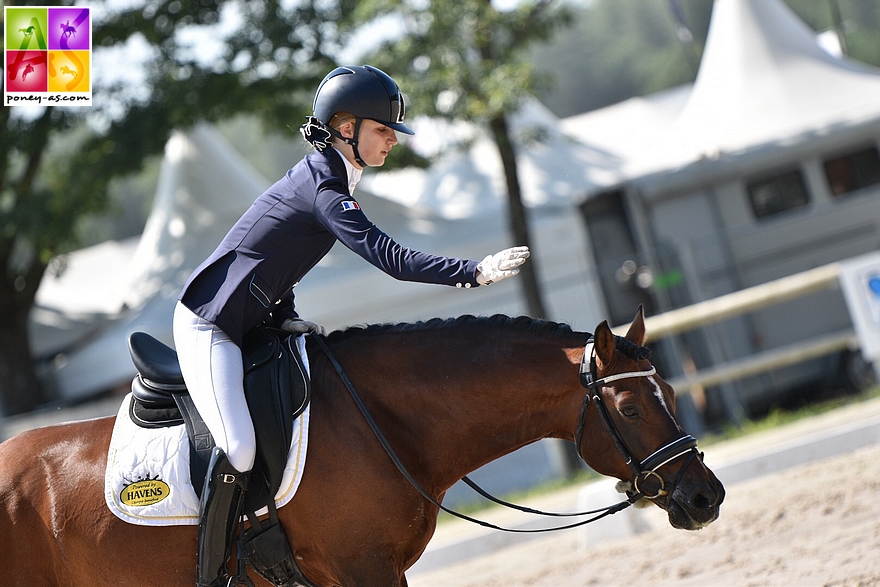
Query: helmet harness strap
column 351, row 141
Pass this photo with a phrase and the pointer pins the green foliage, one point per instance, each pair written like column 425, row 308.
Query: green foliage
column 270, row 66
column 617, row 49
column 463, row 58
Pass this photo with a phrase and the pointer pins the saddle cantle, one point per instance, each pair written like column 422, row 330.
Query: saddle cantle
column 155, row 361
column 158, row 379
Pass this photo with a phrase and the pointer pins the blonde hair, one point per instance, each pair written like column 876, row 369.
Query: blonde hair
column 340, row 119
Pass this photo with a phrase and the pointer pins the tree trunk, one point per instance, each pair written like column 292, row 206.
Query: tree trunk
column 519, row 228
column 518, row 217
column 20, row 389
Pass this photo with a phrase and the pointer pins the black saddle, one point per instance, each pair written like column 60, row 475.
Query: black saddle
column 276, row 388
column 277, row 391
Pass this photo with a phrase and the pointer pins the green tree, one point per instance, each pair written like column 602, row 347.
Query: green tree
column 857, row 23
column 617, row 49
column 270, row 65
column 473, row 55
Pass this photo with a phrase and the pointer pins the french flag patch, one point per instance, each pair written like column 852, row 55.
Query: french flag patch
column 350, row 205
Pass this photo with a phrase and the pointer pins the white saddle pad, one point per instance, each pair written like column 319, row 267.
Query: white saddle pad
column 147, row 481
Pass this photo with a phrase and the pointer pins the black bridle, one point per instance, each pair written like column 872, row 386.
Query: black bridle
column 648, row 467
column 645, row 471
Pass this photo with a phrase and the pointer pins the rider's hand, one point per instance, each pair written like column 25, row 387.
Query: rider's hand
column 300, row 326
column 501, row 265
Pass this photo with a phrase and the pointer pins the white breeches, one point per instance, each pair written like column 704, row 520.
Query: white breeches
column 212, row 368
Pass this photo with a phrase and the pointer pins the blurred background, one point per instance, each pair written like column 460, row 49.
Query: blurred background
column 716, row 162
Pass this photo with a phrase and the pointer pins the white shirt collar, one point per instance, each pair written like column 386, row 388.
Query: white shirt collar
column 354, row 174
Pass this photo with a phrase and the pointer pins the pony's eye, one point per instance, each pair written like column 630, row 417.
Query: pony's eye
column 630, row 412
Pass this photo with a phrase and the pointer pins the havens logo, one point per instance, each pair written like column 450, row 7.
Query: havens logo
column 144, row 492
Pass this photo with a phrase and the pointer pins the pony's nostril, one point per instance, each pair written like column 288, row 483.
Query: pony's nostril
column 704, row 500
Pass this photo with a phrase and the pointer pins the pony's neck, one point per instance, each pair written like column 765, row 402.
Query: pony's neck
column 459, row 403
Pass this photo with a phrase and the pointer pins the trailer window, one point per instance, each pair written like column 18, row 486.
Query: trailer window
column 778, row 194
column 853, row 172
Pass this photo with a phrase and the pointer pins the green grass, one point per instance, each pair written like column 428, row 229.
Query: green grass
column 778, row 416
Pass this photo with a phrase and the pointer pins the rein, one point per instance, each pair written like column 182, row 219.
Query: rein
column 597, row 513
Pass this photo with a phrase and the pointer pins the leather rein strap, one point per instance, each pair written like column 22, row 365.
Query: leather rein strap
column 597, row 513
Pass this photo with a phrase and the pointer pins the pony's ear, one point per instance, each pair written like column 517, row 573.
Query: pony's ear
column 605, row 346
column 636, row 332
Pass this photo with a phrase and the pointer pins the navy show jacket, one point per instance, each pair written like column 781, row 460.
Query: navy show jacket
column 286, row 232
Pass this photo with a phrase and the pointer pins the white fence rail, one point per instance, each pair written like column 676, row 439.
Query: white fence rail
column 741, row 302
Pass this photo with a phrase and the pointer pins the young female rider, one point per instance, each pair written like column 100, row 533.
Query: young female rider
column 250, row 277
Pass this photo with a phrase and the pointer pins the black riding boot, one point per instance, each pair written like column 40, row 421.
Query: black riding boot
column 219, row 514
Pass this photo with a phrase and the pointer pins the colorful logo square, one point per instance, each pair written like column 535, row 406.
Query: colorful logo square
column 69, row 29
column 26, row 28
column 68, row 71
column 26, row 71
column 47, row 55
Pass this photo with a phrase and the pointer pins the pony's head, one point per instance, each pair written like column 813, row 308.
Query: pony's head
column 628, row 422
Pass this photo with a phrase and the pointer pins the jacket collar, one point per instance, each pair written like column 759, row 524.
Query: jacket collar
column 354, row 174
column 343, row 167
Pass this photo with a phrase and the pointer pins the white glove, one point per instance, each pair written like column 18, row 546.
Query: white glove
column 300, row 326
column 501, row 265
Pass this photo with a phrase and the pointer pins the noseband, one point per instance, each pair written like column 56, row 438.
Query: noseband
column 645, row 471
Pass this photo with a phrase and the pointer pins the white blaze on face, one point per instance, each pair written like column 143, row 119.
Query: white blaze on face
column 659, row 393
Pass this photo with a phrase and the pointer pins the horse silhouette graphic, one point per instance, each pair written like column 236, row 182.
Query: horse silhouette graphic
column 68, row 71
column 27, row 32
column 67, row 30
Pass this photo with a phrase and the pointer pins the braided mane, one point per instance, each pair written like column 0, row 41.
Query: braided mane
column 498, row 321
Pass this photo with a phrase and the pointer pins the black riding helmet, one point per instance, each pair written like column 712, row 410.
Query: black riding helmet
column 363, row 91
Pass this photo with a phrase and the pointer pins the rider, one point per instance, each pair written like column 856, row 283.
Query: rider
column 250, row 277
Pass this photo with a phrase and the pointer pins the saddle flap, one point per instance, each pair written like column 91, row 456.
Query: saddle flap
column 277, row 390
column 154, row 360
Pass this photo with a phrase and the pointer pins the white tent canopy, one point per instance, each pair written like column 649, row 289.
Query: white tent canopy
column 764, row 81
column 764, row 76
column 554, row 168
column 204, row 186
